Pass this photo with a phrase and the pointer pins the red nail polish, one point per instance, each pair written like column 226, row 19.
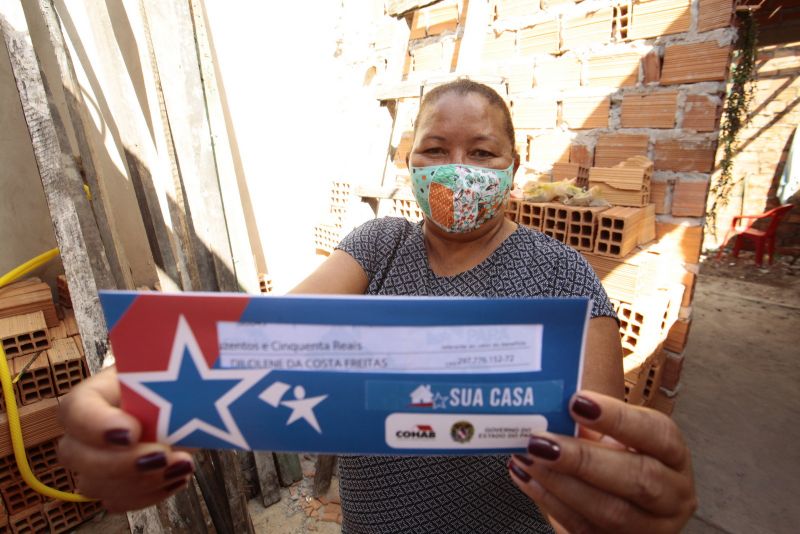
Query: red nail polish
column 544, row 448
column 586, row 408
column 149, row 462
column 522, row 475
column 178, row 469
column 523, row 459
column 118, row 436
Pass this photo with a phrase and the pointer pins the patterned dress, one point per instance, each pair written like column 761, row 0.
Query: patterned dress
column 469, row 494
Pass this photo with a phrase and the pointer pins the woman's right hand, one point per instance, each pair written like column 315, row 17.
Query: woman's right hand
column 101, row 444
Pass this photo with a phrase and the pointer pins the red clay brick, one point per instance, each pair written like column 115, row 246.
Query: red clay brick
column 580, row 154
column 659, row 17
column 714, row 14
column 612, row 149
column 651, row 66
column 684, row 156
column 655, row 110
column 519, row 76
column 701, row 114
column 619, row 70
column 29, row 521
column 586, row 29
column 695, row 62
column 585, row 112
column 689, row 198
column 62, row 516
column 658, row 196
column 547, row 149
column 680, row 241
column 540, row 38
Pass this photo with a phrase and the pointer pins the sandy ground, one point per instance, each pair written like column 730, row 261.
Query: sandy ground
column 739, row 402
column 738, row 405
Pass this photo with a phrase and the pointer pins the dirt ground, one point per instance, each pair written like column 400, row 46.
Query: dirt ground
column 739, row 400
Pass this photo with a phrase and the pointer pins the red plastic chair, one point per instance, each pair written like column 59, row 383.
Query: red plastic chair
column 758, row 237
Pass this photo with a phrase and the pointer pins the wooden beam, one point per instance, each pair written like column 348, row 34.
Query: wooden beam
column 44, row 11
column 323, row 473
column 268, row 478
column 241, row 249
column 83, row 275
column 173, row 38
column 289, row 470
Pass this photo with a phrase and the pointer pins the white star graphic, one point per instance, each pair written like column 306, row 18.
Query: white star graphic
column 303, row 408
column 185, row 341
column 439, row 401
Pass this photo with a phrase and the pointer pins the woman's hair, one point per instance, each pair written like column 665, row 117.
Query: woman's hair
column 462, row 87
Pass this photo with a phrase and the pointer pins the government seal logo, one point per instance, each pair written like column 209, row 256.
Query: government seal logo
column 462, row 431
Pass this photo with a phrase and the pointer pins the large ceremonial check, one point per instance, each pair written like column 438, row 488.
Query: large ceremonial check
column 360, row 375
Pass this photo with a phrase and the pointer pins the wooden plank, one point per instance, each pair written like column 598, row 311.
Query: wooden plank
column 323, row 474
column 235, row 198
column 267, row 478
column 104, row 217
column 289, row 470
column 75, row 248
column 173, row 38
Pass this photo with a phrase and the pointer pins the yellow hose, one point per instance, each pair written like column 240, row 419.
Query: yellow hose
column 14, row 426
column 28, row 266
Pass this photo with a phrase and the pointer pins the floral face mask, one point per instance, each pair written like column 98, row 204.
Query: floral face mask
column 460, row 198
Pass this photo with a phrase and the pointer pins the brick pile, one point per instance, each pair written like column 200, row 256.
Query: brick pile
column 46, row 370
column 328, row 233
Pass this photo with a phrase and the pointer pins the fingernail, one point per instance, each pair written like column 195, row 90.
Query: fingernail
column 175, row 485
column 148, row 462
column 586, row 408
column 544, row 448
column 178, row 469
column 522, row 475
column 118, row 436
column 523, row 459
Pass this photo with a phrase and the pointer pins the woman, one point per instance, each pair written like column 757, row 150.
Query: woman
column 629, row 470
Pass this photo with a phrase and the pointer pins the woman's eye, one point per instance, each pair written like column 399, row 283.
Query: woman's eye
column 483, row 154
column 433, row 151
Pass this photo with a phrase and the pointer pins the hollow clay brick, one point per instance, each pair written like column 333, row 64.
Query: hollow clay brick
column 560, row 73
column 586, row 29
column 684, row 156
column 62, row 516
column 24, row 334
column 498, row 48
column 700, row 114
column 695, row 62
column 689, row 198
column 651, row 67
column 531, row 214
column 534, row 112
column 612, row 149
column 656, row 110
column 659, row 17
column 36, row 382
column 713, row 14
column 619, row 70
column 556, row 220
column 30, row 520
column 586, row 112
column 540, row 38
column 515, row 8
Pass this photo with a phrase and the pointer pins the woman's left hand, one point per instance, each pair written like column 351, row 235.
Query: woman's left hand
column 629, row 472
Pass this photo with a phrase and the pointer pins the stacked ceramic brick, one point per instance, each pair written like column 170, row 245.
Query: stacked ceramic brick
column 765, row 140
column 46, row 353
column 328, row 233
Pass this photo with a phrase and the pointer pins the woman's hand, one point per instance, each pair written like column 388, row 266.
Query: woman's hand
column 101, row 445
column 638, row 478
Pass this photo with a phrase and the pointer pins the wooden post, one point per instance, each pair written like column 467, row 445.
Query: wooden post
column 289, row 470
column 323, row 473
column 104, row 217
column 58, row 188
column 268, row 478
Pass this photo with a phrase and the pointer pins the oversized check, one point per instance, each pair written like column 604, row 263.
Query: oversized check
column 359, row 375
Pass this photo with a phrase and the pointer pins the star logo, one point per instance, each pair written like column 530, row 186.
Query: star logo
column 174, row 391
column 439, row 401
column 302, row 407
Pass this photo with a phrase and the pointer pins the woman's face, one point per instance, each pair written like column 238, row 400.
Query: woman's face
column 463, row 129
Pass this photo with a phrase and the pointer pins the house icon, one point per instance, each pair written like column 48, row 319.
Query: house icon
column 422, row 396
